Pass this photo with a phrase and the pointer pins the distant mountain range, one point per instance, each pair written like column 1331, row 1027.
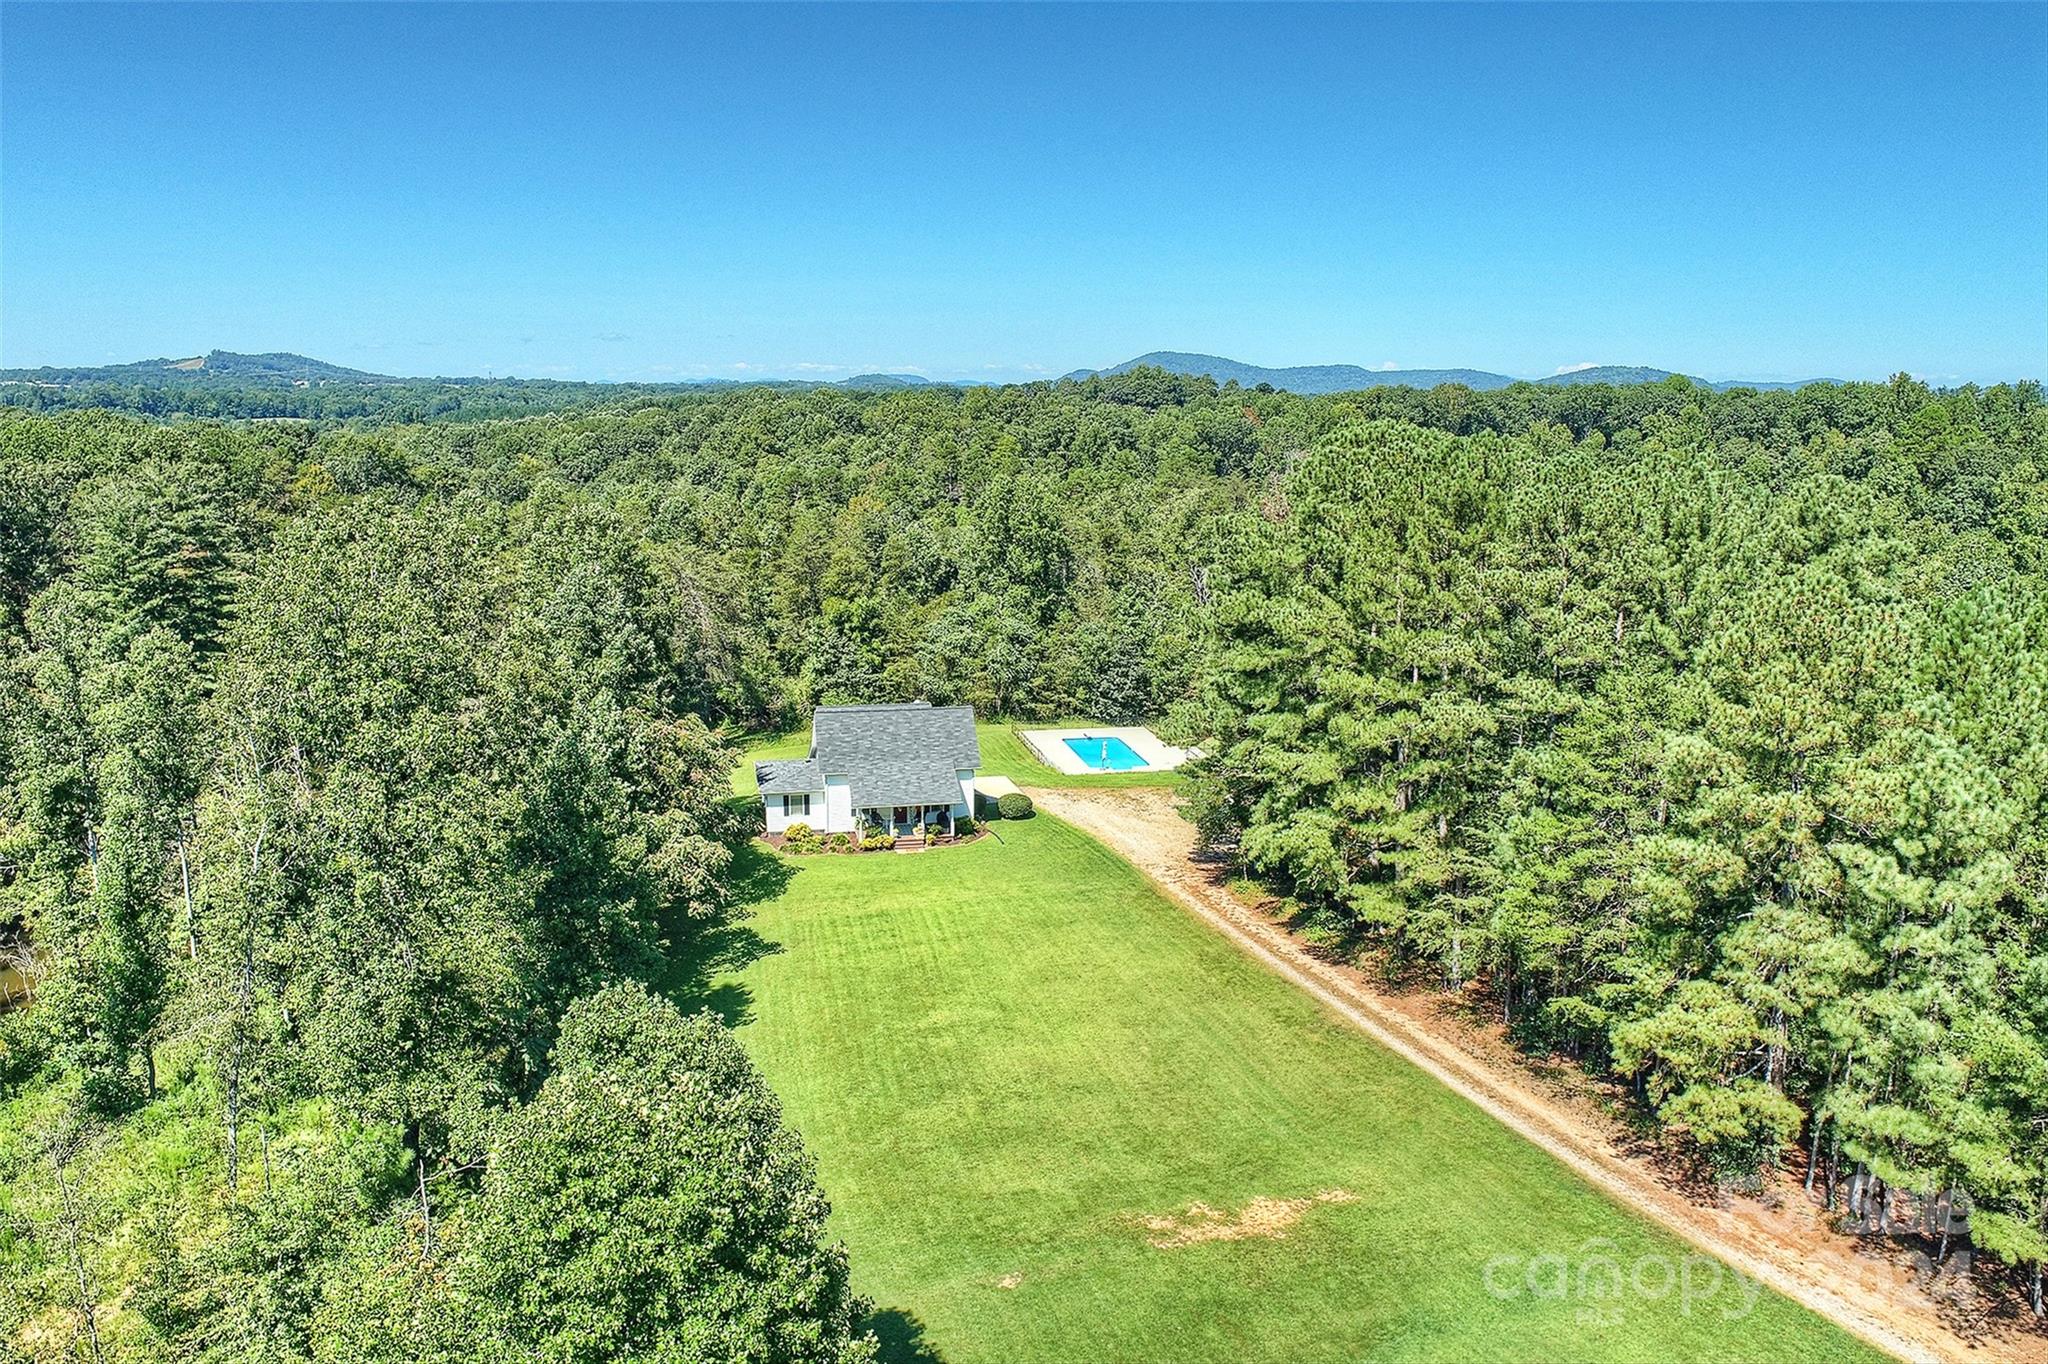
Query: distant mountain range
column 882, row 381
column 220, row 366
column 1299, row 378
column 283, row 369
column 1346, row 378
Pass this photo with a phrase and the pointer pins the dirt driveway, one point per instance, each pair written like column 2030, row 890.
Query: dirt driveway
column 1789, row 1248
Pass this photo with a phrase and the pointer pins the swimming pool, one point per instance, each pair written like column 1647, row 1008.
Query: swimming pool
column 1106, row 754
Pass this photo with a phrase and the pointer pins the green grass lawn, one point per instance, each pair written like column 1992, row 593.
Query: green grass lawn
column 1004, row 1054
column 1003, row 754
column 762, row 747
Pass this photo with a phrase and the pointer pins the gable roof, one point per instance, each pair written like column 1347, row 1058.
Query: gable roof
column 844, row 738
column 890, row 755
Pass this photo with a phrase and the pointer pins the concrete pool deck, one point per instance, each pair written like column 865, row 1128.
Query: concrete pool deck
column 1049, row 746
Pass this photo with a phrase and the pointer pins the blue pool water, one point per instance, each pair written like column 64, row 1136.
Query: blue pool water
column 1107, row 754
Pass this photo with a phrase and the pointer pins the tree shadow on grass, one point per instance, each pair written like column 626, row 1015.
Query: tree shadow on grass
column 902, row 1338
column 729, row 945
column 757, row 875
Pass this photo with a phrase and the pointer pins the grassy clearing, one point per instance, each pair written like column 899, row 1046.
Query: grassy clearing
column 1006, row 1055
column 762, row 747
column 1003, row 754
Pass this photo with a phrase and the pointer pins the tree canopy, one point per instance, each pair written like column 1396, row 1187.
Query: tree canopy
column 364, row 785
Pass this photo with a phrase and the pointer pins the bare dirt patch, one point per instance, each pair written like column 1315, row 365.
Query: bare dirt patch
column 1782, row 1241
column 1266, row 1218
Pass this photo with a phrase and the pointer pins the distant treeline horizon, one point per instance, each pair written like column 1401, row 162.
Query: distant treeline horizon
column 283, row 385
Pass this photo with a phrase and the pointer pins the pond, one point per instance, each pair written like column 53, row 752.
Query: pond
column 16, row 988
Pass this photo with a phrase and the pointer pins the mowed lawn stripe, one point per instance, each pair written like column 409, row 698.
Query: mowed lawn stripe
column 1005, row 1054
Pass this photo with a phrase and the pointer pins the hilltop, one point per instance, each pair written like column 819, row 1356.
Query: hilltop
column 219, row 366
column 1643, row 374
column 884, row 381
column 1301, row 378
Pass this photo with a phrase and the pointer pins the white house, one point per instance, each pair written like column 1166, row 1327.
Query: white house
column 886, row 767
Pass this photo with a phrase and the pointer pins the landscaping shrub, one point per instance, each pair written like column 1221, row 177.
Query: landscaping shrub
column 1014, row 805
column 875, row 840
column 801, row 838
column 839, row 843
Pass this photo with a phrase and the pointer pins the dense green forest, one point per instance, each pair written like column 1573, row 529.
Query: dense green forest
column 1714, row 747
column 364, row 796
column 378, row 400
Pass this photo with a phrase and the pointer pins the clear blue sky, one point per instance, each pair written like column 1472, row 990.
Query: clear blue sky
column 671, row 192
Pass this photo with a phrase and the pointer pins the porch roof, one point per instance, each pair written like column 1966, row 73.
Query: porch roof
column 905, row 783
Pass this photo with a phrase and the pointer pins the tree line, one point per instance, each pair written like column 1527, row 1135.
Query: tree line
column 1718, row 761
column 362, row 839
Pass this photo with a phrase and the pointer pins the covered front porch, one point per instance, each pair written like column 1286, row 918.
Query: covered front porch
column 904, row 821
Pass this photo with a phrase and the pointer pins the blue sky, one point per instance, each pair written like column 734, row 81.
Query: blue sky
column 1007, row 192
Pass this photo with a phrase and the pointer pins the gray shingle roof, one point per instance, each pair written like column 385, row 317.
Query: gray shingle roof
column 905, row 784
column 850, row 734
column 895, row 755
column 791, row 776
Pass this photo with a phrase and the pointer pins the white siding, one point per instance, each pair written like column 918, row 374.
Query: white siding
column 838, row 807
column 964, row 807
column 775, row 820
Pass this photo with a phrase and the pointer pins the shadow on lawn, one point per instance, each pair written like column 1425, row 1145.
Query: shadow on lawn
column 902, row 1337
column 756, row 876
column 729, row 945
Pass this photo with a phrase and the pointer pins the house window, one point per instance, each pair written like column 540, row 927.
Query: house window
column 796, row 805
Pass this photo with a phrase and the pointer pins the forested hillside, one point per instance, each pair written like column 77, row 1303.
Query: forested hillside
column 364, row 795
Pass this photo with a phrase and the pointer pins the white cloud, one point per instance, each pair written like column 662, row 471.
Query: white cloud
column 1386, row 366
column 1574, row 369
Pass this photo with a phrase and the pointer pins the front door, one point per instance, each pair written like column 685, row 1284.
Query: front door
column 900, row 817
